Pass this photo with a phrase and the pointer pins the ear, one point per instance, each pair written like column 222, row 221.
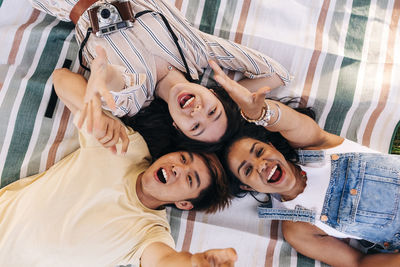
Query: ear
column 246, row 187
column 184, row 205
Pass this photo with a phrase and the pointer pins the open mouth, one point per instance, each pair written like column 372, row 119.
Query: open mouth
column 162, row 175
column 185, row 100
column 275, row 174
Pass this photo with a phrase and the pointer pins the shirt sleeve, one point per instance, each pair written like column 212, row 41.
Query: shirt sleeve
column 236, row 57
column 158, row 234
column 132, row 97
column 58, row 9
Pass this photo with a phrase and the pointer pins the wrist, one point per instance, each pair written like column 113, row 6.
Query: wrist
column 269, row 116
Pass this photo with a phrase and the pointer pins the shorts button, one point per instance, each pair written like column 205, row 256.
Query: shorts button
column 324, row 218
column 353, row 192
column 386, row 244
column 334, row 157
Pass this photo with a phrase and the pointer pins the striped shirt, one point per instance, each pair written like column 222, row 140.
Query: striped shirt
column 133, row 50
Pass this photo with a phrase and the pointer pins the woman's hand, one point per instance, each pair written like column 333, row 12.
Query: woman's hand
column 107, row 129
column 99, row 79
column 215, row 258
column 250, row 103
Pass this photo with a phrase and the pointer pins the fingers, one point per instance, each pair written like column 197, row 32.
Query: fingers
column 101, row 52
column 125, row 140
column 261, row 94
column 82, row 116
column 222, row 256
column 89, row 119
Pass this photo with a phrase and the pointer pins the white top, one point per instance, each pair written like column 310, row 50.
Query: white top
column 318, row 176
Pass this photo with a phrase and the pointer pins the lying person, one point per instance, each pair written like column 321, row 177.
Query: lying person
column 162, row 52
column 96, row 208
column 332, row 188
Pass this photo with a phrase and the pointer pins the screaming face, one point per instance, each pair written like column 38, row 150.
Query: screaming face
column 197, row 112
column 261, row 166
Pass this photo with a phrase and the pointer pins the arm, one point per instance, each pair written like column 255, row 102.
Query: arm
column 274, row 81
column 159, row 254
column 70, row 88
column 312, row 242
column 299, row 129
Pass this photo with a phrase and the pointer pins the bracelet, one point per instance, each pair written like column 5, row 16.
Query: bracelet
column 278, row 116
column 265, row 117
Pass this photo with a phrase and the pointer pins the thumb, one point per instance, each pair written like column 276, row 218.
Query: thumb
column 101, row 52
column 261, row 93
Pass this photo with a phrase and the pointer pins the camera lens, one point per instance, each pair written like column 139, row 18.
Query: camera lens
column 105, row 13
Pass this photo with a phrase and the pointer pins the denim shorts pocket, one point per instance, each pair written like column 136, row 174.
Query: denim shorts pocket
column 373, row 192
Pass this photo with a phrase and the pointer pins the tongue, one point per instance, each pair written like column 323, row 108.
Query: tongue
column 184, row 100
column 275, row 177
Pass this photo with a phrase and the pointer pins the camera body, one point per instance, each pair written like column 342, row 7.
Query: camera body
column 108, row 17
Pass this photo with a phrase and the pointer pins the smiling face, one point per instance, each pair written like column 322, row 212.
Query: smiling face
column 261, row 166
column 197, row 112
column 176, row 177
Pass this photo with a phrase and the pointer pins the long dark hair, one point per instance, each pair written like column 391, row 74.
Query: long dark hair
column 260, row 133
column 154, row 123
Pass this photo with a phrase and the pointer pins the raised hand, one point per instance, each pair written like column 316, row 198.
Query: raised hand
column 250, row 103
column 107, row 129
column 97, row 82
column 215, row 258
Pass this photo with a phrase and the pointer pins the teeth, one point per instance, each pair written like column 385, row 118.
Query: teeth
column 164, row 172
column 188, row 102
column 272, row 172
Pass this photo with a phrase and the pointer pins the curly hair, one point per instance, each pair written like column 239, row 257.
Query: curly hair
column 250, row 130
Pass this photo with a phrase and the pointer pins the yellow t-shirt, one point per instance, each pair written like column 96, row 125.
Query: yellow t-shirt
column 83, row 211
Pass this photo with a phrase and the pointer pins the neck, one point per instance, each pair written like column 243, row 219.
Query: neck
column 301, row 182
column 172, row 78
column 145, row 199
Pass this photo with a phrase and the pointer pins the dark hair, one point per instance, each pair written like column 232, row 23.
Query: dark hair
column 216, row 196
column 154, row 123
column 250, row 130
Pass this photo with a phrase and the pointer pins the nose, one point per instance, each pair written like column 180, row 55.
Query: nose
column 180, row 170
column 196, row 109
column 261, row 165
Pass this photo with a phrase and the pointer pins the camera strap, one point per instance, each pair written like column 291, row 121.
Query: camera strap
column 174, row 37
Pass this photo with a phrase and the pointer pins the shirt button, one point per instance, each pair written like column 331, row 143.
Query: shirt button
column 324, row 218
column 353, row 192
column 335, row 157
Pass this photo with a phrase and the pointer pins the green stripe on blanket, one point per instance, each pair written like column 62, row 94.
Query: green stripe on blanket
column 29, row 106
column 349, row 67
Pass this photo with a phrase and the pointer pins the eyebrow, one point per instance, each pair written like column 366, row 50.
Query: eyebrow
column 244, row 162
column 197, row 178
column 202, row 131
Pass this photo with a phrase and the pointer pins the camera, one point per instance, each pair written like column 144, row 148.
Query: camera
column 108, row 17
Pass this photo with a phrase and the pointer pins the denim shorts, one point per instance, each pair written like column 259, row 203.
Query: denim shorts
column 363, row 197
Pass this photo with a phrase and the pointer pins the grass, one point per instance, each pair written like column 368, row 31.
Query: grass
column 396, row 143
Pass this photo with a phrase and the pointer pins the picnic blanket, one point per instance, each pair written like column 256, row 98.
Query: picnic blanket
column 344, row 55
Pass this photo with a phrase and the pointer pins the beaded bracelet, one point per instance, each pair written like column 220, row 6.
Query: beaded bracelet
column 265, row 117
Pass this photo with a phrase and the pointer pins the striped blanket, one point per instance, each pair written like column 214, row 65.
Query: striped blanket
column 344, row 55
